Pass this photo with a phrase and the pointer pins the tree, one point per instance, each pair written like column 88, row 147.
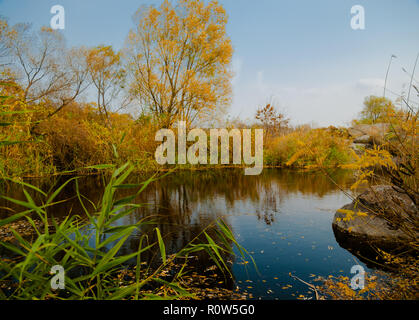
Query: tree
column 47, row 72
column 44, row 68
column 5, row 34
column 179, row 60
column 37, row 61
column 107, row 75
column 376, row 109
column 272, row 120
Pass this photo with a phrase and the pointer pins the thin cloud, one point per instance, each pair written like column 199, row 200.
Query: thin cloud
column 332, row 104
column 237, row 68
column 370, row 83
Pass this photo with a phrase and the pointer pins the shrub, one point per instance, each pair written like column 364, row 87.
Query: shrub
column 328, row 147
column 73, row 138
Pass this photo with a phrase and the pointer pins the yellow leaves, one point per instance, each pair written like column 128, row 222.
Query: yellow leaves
column 100, row 58
column 339, row 288
column 47, row 29
column 154, row 14
column 344, row 211
column 300, row 143
column 350, row 215
column 365, row 164
column 311, row 148
column 179, row 56
column 295, row 157
column 362, row 214
column 377, row 109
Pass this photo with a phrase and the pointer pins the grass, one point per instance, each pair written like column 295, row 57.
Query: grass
column 89, row 249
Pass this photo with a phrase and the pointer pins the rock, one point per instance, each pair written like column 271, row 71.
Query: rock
column 365, row 139
column 369, row 133
column 387, row 209
column 369, row 129
column 355, row 131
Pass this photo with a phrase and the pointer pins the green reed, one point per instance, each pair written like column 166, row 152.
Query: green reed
column 89, row 249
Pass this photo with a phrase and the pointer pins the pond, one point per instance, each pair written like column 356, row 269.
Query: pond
column 282, row 217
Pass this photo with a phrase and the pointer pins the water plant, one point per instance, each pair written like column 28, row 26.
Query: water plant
column 88, row 247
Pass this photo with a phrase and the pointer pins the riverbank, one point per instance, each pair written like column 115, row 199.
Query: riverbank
column 77, row 138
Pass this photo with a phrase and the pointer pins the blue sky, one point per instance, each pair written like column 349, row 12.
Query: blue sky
column 302, row 55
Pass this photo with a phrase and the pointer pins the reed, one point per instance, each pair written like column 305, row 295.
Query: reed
column 89, row 249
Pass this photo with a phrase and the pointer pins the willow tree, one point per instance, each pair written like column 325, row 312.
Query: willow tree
column 179, row 60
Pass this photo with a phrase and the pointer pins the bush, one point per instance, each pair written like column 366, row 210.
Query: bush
column 73, row 138
column 328, row 147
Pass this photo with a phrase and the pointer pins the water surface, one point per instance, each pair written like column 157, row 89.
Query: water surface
column 282, row 217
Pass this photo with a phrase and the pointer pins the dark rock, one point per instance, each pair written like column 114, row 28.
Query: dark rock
column 390, row 217
column 365, row 139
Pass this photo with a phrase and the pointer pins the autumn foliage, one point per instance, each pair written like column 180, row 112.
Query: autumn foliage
column 68, row 108
column 179, row 61
column 74, row 138
column 309, row 148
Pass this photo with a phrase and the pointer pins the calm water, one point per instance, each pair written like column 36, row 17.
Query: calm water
column 282, row 217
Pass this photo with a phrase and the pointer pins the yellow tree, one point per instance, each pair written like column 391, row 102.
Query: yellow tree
column 5, row 34
column 376, row 109
column 107, row 76
column 179, row 60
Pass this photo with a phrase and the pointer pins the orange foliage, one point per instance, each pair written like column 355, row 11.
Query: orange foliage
column 326, row 147
column 179, row 57
column 74, row 138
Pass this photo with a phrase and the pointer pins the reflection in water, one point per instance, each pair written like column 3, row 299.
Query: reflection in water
column 283, row 217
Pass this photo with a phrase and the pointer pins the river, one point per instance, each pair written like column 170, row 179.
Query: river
column 282, row 217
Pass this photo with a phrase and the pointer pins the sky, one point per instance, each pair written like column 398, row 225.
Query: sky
column 301, row 55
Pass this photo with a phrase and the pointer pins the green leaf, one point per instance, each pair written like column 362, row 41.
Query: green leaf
column 14, row 217
column 161, row 245
column 9, row 143
column 27, row 185
column 101, row 166
column 56, row 192
column 103, row 264
column 115, row 152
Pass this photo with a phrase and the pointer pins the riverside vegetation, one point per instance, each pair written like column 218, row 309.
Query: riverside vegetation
column 47, row 128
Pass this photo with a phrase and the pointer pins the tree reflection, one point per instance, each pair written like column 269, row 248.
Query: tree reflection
column 184, row 203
